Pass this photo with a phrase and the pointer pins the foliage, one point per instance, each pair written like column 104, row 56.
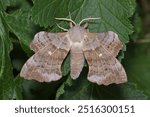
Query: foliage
column 20, row 20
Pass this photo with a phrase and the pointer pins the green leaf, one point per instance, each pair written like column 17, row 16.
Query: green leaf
column 114, row 16
column 20, row 24
column 84, row 90
column 137, row 65
column 12, row 5
column 44, row 11
column 36, row 90
column 7, row 84
column 18, row 88
column 137, row 23
column 5, row 3
column 65, row 68
column 114, row 13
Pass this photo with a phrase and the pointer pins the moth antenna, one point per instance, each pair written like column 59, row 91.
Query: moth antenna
column 64, row 29
column 70, row 20
column 69, row 15
column 88, row 19
column 70, row 23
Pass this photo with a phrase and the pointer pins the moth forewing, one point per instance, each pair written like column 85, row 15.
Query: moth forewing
column 110, row 41
column 45, row 64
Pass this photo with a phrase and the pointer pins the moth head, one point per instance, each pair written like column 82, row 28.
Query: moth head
column 73, row 24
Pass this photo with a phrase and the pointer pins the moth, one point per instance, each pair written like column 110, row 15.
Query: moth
column 98, row 49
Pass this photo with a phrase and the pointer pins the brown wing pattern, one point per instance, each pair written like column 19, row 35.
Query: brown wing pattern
column 104, row 68
column 45, row 65
column 109, row 40
column 42, row 39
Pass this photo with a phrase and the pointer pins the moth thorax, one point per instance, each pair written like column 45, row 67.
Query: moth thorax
column 77, row 33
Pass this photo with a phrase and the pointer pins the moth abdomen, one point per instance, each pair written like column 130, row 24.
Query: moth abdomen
column 77, row 61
